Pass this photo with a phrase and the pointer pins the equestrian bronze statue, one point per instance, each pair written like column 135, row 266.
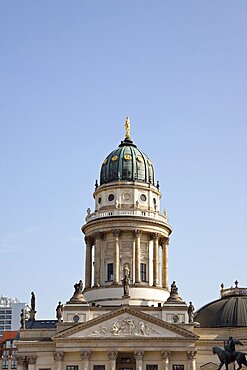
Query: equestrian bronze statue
column 229, row 354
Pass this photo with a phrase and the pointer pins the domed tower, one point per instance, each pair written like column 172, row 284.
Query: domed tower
column 126, row 236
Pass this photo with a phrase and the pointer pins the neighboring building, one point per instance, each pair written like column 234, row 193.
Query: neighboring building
column 8, row 351
column 10, row 309
column 127, row 317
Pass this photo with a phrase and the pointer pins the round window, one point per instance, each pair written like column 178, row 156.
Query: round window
column 143, row 197
column 76, row 318
column 126, row 196
column 111, row 197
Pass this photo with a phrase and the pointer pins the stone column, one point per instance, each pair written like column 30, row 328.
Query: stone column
column 31, row 360
column 165, row 244
column 20, row 362
column 58, row 358
column 191, row 356
column 139, row 357
column 165, row 356
column 88, row 274
column 116, row 234
column 97, row 246
column 85, row 356
column 112, row 355
column 156, row 259
column 138, row 256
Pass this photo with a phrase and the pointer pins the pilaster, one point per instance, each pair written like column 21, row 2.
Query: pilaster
column 112, row 355
column 85, row 356
column 191, row 356
column 58, row 358
column 31, row 360
column 139, row 359
column 165, row 356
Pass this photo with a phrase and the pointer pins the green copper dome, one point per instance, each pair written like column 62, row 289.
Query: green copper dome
column 127, row 163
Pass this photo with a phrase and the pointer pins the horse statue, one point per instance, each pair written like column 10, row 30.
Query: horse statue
column 226, row 357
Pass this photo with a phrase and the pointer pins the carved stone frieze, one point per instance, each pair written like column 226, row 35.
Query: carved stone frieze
column 58, row 356
column 124, row 327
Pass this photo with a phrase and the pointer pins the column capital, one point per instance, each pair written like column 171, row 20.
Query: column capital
column 165, row 355
column 139, row 355
column 98, row 235
column 112, row 355
column 154, row 236
column 165, row 242
column 138, row 233
column 31, row 359
column 116, row 233
column 58, row 356
column 85, row 355
column 88, row 240
column 191, row 355
column 20, row 360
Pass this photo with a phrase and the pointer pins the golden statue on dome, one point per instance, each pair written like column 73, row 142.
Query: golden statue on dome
column 127, row 127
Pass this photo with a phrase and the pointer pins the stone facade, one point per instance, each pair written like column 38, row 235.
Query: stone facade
column 126, row 317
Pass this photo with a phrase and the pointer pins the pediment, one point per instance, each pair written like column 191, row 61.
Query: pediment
column 209, row 366
column 125, row 323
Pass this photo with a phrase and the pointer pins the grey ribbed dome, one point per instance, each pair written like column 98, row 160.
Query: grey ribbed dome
column 229, row 311
column 127, row 163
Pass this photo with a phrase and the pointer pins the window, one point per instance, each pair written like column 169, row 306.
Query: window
column 13, row 364
column 98, row 367
column 151, row 367
column 71, row 367
column 5, row 364
column 143, row 272
column 126, row 360
column 177, row 367
column 110, row 272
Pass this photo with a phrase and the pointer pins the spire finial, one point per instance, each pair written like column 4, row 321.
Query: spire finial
column 127, row 127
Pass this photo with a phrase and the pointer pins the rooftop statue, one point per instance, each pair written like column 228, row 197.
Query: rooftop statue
column 229, row 354
column 191, row 310
column 59, row 312
column 32, row 312
column 127, row 127
column 32, row 301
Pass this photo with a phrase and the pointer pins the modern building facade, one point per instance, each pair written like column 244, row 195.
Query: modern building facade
column 127, row 316
column 10, row 309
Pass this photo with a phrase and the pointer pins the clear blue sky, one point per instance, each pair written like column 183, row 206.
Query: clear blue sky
column 70, row 73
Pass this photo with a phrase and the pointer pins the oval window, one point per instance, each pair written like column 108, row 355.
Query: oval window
column 111, row 197
column 143, row 197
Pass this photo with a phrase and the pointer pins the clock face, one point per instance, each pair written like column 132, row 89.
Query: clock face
column 175, row 318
